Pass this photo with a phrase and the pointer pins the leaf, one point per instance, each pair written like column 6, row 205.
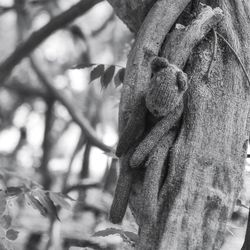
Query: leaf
column 117, row 81
column 132, row 236
column 83, row 66
column 13, row 191
column 119, row 77
column 46, row 202
column 108, row 231
column 107, row 76
column 36, row 204
column 125, row 235
column 122, row 74
column 5, row 221
column 97, row 72
column 3, row 202
column 59, row 199
column 12, row 234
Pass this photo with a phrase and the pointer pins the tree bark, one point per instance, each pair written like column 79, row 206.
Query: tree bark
column 205, row 164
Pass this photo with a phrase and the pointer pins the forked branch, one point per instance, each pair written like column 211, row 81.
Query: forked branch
column 73, row 111
column 37, row 37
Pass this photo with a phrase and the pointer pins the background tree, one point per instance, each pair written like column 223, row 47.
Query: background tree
column 54, row 119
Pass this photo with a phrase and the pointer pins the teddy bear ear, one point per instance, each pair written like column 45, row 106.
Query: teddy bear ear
column 158, row 63
column 182, row 81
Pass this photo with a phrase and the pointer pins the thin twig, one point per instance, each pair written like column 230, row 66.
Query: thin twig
column 4, row 9
column 50, row 233
column 47, row 144
column 79, row 145
column 104, row 25
column 82, row 187
column 76, row 114
column 235, row 54
column 84, row 173
column 215, row 45
column 37, row 37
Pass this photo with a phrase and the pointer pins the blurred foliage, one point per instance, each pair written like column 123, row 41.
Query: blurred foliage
column 45, row 157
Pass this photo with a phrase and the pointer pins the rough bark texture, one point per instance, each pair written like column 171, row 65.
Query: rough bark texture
column 205, row 164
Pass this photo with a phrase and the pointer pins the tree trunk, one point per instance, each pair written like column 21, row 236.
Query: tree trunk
column 206, row 161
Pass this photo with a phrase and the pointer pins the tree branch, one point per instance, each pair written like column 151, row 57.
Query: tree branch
column 79, row 145
column 184, row 41
column 73, row 111
column 4, row 9
column 26, row 90
column 47, row 145
column 153, row 31
column 131, row 12
column 37, row 37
